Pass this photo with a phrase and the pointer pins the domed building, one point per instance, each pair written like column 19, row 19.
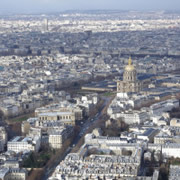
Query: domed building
column 129, row 82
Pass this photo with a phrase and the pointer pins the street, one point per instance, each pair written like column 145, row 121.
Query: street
column 84, row 129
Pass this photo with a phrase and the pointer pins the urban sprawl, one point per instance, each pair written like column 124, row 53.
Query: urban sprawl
column 90, row 95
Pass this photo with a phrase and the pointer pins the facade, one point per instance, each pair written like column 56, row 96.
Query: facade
column 13, row 173
column 20, row 144
column 25, row 126
column 64, row 117
column 57, row 136
column 11, row 163
column 148, row 135
column 35, row 131
column 9, row 110
column 132, row 117
column 78, row 112
column 129, row 82
column 16, row 174
column 164, row 106
column 168, row 150
column 175, row 122
column 162, row 140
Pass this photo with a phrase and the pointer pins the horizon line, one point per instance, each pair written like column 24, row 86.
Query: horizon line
column 88, row 10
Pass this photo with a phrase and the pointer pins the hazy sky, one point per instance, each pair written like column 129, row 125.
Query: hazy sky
column 35, row 6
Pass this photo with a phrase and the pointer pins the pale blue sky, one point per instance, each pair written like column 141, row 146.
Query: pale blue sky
column 39, row 6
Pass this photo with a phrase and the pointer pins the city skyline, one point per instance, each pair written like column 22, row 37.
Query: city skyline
column 89, row 94
column 47, row 6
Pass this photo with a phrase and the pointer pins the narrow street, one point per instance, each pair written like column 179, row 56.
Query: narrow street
column 87, row 125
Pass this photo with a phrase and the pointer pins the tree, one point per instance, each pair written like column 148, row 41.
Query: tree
column 115, row 128
column 164, row 172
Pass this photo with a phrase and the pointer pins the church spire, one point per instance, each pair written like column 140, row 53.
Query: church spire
column 130, row 61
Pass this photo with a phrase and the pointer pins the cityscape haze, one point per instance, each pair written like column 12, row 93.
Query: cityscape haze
column 89, row 90
column 54, row 6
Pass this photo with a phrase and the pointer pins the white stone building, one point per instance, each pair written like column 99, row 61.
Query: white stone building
column 20, row 144
column 57, row 136
column 164, row 106
column 132, row 117
column 13, row 173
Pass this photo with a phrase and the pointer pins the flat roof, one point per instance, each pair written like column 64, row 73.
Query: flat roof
column 55, row 113
column 16, row 139
column 148, row 132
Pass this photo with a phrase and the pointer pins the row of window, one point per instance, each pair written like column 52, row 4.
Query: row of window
column 58, row 117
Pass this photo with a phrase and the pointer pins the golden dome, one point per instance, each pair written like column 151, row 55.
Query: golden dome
column 129, row 67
